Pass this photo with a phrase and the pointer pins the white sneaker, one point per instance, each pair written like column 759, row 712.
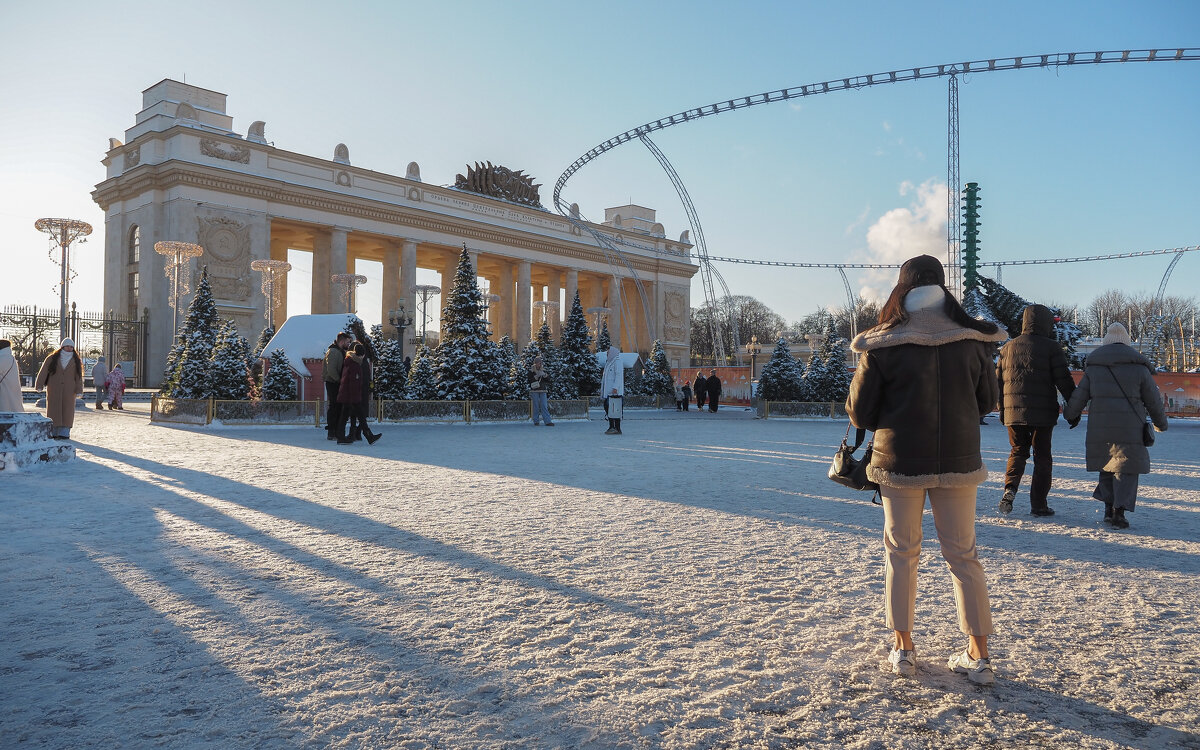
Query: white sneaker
column 903, row 662
column 978, row 671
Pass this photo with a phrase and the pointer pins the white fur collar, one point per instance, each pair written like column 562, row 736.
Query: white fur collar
column 926, row 327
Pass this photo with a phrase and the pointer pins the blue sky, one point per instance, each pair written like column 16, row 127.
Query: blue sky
column 1079, row 161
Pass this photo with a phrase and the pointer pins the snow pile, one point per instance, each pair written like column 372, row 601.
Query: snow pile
column 697, row 582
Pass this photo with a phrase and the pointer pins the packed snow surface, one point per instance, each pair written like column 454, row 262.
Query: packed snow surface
column 694, row 583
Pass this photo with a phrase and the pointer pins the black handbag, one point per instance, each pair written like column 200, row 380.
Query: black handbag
column 851, row 472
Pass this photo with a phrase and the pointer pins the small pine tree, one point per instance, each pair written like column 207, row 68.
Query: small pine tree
column 264, row 338
column 228, row 364
column 388, row 370
column 656, row 379
column 279, row 382
column 171, row 371
column 560, row 382
column 506, row 357
column 836, row 378
column 581, row 372
column 813, row 380
column 422, row 377
column 603, row 344
column 191, row 377
column 780, row 379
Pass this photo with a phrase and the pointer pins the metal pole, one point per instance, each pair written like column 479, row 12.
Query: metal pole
column 64, row 280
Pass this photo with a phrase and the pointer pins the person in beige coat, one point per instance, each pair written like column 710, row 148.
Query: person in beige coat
column 10, row 379
column 62, row 378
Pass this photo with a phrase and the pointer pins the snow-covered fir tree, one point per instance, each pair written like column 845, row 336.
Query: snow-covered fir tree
column 656, row 379
column 279, row 381
column 835, row 380
column 171, row 370
column 390, row 379
column 229, row 364
column 467, row 366
column 192, row 375
column 603, row 342
column 992, row 301
column 264, row 338
column 580, row 369
column 780, row 377
column 560, row 381
column 506, row 357
column 518, row 375
column 422, row 378
column 812, row 381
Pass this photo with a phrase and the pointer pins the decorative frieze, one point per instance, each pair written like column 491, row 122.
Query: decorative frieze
column 218, row 150
column 675, row 314
column 227, row 243
column 133, row 157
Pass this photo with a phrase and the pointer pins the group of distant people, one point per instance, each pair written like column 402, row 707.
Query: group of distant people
column 109, row 385
column 703, row 389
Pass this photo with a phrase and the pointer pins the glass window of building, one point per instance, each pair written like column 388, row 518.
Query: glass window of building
column 135, row 244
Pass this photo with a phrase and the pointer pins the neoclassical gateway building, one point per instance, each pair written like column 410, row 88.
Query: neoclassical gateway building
column 183, row 174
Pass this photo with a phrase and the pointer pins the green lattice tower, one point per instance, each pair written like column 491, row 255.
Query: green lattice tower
column 970, row 250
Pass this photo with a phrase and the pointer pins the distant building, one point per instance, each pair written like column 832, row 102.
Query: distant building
column 184, row 174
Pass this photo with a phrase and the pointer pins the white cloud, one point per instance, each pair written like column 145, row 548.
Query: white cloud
column 902, row 233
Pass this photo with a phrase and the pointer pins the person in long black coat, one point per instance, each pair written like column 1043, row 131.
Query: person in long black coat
column 700, row 388
column 713, row 386
column 361, row 428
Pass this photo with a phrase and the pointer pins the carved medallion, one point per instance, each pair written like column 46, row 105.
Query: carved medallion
column 226, row 243
column 675, row 319
column 499, row 182
column 217, row 150
column 133, row 157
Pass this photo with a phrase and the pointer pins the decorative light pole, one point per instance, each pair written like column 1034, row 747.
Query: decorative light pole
column 62, row 233
column 426, row 291
column 178, row 269
column 400, row 319
column 349, row 283
column 546, row 306
column 600, row 313
column 753, row 348
column 273, row 271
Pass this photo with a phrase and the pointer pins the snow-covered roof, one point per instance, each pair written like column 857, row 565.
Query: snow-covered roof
column 628, row 359
column 304, row 337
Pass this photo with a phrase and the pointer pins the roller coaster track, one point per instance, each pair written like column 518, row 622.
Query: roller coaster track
column 641, row 133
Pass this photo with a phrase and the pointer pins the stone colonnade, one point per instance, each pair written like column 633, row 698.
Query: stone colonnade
column 518, row 282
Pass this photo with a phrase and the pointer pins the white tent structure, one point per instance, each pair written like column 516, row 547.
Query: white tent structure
column 304, row 337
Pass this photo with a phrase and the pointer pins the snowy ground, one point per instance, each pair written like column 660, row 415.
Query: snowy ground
column 694, row 583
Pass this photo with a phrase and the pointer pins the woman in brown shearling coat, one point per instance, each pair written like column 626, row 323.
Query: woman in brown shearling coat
column 62, row 377
column 925, row 376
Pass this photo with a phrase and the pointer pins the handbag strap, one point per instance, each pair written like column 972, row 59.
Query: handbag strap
column 1112, row 375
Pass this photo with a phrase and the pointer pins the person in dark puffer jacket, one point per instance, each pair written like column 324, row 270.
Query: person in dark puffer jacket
column 924, row 378
column 1031, row 372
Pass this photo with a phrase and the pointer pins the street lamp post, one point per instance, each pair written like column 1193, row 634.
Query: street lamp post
column 177, row 268
column 426, row 291
column 753, row 348
column 400, row 319
column 62, row 233
column 349, row 283
column 273, row 272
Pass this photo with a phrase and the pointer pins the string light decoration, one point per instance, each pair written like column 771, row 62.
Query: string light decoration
column 600, row 313
column 425, row 291
column 62, row 233
column 178, row 268
column 349, row 283
column 546, row 306
column 273, row 272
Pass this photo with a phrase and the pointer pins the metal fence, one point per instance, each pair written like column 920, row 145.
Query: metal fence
column 181, row 410
column 35, row 333
column 267, row 412
column 633, row 401
column 207, row 411
column 802, row 410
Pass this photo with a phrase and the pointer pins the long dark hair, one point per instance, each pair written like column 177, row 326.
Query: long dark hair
column 926, row 270
column 53, row 360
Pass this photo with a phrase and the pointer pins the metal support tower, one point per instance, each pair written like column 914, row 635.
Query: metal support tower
column 953, row 190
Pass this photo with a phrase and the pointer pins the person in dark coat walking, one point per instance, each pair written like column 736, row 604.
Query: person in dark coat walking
column 686, row 387
column 360, row 428
column 1119, row 392
column 700, row 388
column 335, row 358
column 713, row 386
column 1031, row 372
column 349, row 394
column 924, row 377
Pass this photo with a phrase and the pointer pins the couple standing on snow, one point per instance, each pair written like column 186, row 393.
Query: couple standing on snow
column 347, row 374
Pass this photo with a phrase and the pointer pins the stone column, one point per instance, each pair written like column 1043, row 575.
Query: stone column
column 339, row 262
column 524, row 303
column 504, row 310
column 391, row 284
column 408, row 280
column 322, row 288
column 572, row 290
column 614, row 318
column 552, row 288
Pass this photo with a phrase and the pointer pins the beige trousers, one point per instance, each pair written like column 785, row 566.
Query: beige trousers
column 954, row 518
